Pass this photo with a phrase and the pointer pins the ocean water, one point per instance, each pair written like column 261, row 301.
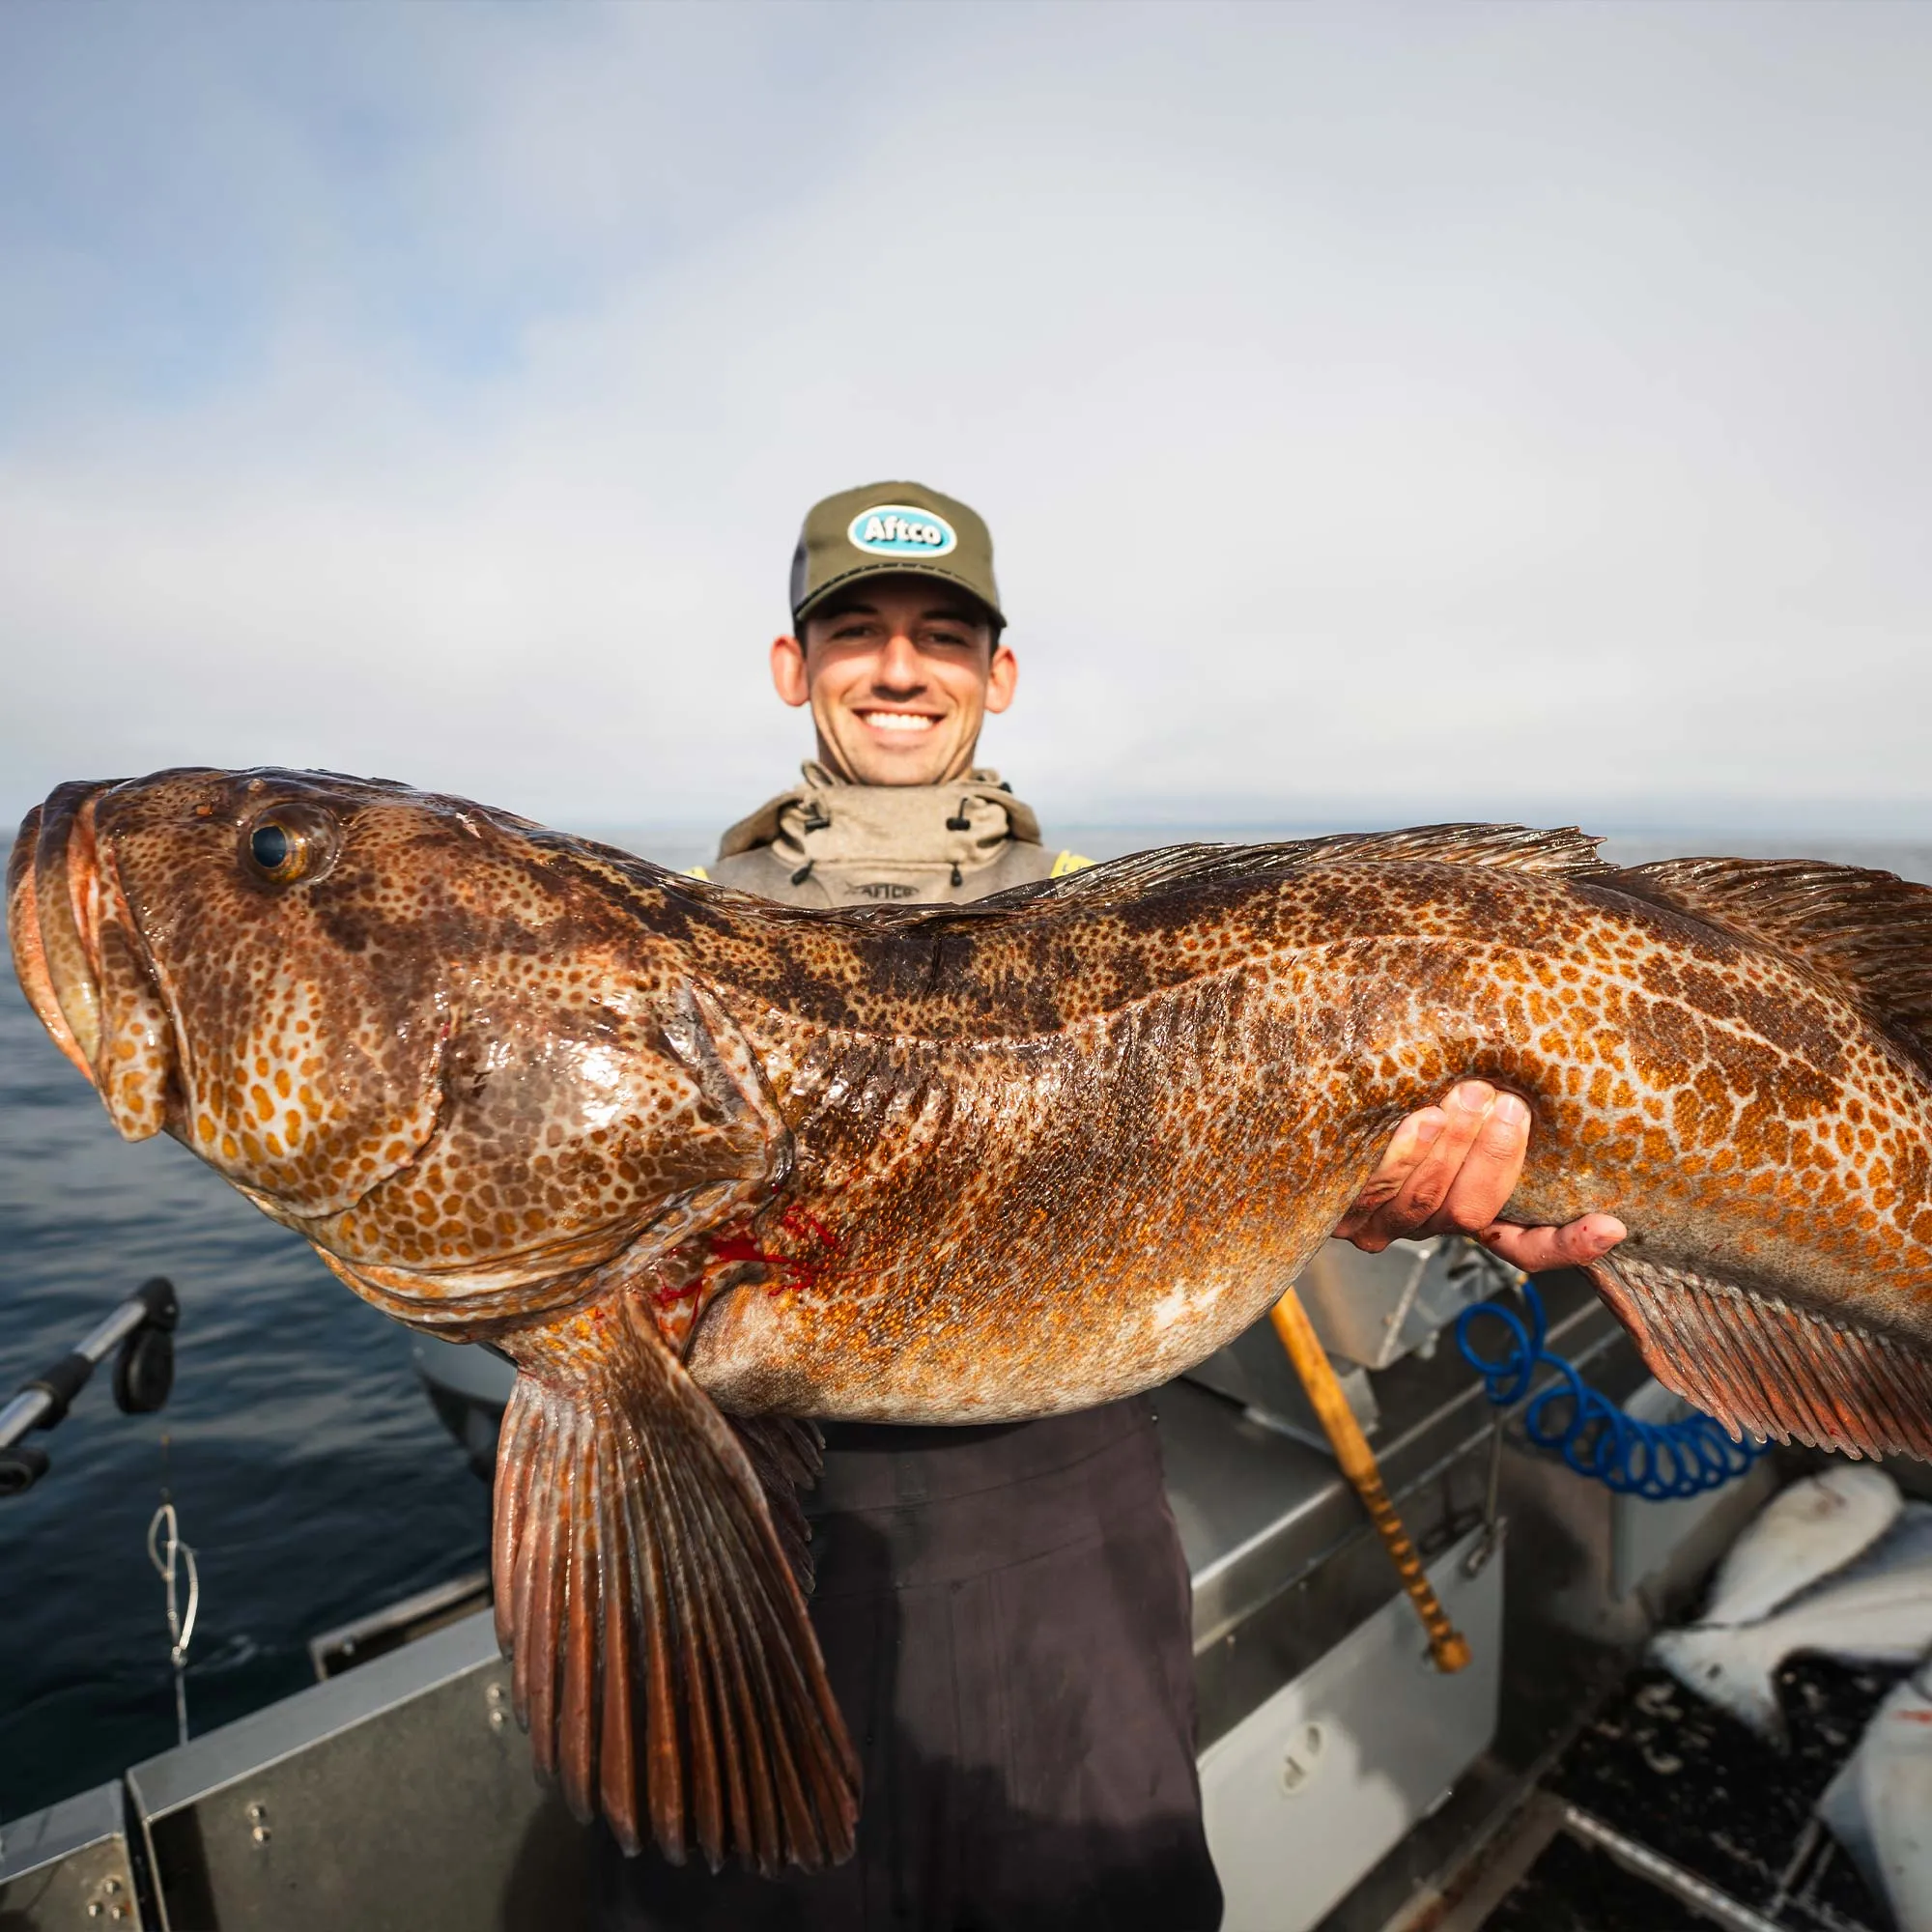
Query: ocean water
column 311, row 1476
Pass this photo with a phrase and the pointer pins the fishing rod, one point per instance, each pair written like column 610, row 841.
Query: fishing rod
column 142, row 1329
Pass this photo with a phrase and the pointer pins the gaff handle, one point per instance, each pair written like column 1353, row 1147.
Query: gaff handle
column 1448, row 1645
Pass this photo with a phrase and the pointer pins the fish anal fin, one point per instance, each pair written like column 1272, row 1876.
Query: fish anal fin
column 1869, row 933
column 663, row 1660
column 1768, row 1367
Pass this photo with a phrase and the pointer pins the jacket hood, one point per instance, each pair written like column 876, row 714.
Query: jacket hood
column 967, row 824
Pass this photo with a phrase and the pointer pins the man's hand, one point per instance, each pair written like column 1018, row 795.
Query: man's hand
column 1449, row 1171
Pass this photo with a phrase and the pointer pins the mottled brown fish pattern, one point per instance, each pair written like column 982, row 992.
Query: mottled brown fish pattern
column 706, row 1167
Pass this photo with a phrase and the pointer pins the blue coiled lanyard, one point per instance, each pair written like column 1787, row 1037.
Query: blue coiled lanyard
column 1592, row 1434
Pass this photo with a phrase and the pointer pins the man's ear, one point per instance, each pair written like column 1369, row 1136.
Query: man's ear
column 789, row 676
column 1002, row 674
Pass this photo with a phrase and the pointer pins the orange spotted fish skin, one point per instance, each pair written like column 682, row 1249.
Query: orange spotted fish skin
column 955, row 1164
column 700, row 1163
column 1129, row 1132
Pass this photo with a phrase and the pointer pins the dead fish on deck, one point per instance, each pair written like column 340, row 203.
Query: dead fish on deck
column 1879, row 1610
column 701, row 1164
column 1879, row 1807
column 1810, row 1528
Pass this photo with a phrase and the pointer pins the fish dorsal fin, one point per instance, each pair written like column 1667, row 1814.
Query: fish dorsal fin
column 1566, row 853
column 1561, row 854
column 1767, row 1367
column 1520, row 848
column 1869, row 933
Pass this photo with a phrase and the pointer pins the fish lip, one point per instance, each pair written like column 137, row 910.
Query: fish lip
column 84, row 965
column 53, row 919
column 23, row 931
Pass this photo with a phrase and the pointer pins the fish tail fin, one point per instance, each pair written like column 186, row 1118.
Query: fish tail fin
column 1727, row 1668
column 663, row 1664
column 1767, row 1367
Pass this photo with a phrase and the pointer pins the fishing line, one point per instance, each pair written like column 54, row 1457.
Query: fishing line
column 170, row 1554
column 1594, row 1435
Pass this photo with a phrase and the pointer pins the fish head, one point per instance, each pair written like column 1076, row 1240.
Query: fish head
column 219, row 954
column 417, row 1031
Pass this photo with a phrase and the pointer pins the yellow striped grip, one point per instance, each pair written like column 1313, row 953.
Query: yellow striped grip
column 1448, row 1645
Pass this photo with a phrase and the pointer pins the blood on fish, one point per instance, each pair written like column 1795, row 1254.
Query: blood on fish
column 795, row 1218
column 742, row 1248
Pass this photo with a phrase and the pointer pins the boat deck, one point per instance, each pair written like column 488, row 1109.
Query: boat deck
column 1664, row 1813
column 1537, row 1788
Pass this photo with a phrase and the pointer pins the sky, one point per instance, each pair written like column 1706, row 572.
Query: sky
column 1382, row 412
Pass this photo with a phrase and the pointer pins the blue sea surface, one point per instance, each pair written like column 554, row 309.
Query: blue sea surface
column 310, row 1473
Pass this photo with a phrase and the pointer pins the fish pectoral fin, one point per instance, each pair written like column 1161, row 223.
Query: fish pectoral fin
column 1766, row 1367
column 663, row 1660
column 724, row 1067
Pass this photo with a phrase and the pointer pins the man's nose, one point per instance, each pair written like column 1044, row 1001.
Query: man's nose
column 901, row 667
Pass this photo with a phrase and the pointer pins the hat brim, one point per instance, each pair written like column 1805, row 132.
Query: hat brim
column 897, row 566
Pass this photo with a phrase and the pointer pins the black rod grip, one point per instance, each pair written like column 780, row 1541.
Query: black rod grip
column 60, row 1384
column 22, row 1465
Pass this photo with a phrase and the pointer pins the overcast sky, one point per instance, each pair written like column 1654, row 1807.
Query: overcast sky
column 1447, row 410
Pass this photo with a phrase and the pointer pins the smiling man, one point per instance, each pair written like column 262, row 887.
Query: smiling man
column 1004, row 1611
column 896, row 649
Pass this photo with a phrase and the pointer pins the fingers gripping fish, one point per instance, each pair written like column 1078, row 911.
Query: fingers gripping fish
column 704, row 1166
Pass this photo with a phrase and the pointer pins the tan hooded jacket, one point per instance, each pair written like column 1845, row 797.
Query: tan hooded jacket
column 830, row 843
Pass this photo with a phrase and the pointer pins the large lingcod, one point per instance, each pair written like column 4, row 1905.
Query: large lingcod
column 707, row 1167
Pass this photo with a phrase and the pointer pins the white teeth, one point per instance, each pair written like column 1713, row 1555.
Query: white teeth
column 898, row 721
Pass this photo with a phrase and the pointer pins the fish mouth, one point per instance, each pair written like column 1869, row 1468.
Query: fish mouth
column 55, row 929
column 79, row 965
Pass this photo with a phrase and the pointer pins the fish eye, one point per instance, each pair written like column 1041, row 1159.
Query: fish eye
column 288, row 843
column 276, row 850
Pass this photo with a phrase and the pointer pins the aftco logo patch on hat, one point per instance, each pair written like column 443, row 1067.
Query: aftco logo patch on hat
column 892, row 529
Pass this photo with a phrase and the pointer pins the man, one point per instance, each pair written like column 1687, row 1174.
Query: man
column 1004, row 1611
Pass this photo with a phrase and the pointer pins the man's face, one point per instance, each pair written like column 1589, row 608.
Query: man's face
column 899, row 672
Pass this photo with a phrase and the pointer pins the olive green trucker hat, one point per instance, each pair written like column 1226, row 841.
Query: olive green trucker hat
column 884, row 528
